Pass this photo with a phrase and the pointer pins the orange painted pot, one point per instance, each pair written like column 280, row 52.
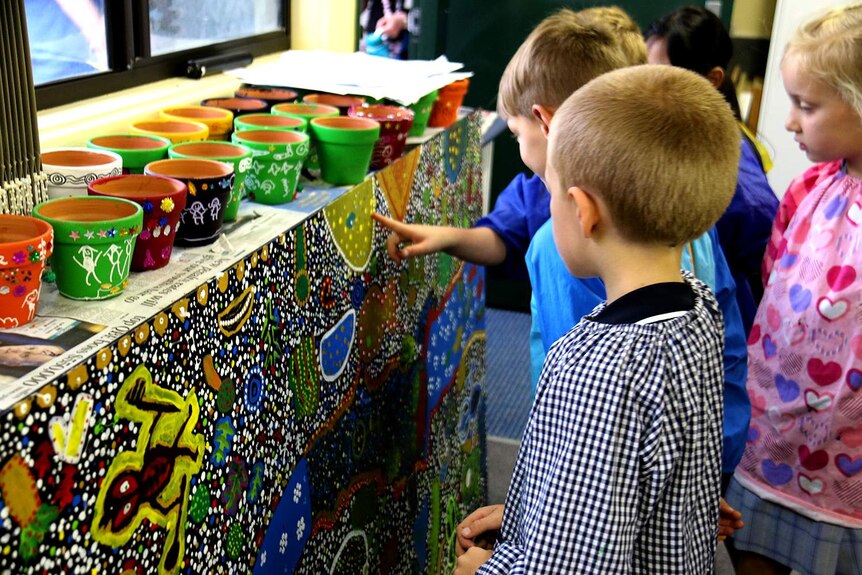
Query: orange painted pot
column 25, row 244
column 343, row 103
column 449, row 99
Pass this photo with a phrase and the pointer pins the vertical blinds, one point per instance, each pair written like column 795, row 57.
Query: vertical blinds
column 21, row 177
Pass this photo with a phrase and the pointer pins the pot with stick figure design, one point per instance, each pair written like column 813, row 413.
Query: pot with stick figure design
column 209, row 184
column 94, row 238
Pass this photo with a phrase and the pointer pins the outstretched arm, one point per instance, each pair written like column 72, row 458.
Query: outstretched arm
column 481, row 245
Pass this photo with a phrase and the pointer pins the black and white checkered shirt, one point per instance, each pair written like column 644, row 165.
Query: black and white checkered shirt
column 619, row 467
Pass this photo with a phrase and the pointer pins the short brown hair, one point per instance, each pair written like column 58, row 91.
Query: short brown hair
column 564, row 52
column 629, row 33
column 658, row 144
column 829, row 48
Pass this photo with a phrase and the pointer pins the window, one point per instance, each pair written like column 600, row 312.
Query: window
column 176, row 25
column 85, row 48
column 67, row 38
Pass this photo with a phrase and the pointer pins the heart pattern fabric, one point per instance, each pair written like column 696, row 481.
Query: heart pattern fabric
column 805, row 360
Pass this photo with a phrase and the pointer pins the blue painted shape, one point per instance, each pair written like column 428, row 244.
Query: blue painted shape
column 335, row 346
column 289, row 528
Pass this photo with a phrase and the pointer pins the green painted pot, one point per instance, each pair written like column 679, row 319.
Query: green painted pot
column 422, row 111
column 344, row 146
column 307, row 111
column 137, row 150
column 276, row 163
column 270, row 122
column 237, row 155
column 94, row 238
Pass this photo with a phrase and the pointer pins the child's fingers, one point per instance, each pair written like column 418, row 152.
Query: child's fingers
column 393, row 225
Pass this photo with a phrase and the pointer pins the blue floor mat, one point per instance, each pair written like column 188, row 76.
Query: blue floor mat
column 507, row 383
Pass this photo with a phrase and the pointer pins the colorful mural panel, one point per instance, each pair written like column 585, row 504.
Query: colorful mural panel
column 316, row 408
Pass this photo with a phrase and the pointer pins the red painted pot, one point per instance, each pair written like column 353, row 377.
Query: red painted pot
column 162, row 200
column 395, row 123
column 25, row 244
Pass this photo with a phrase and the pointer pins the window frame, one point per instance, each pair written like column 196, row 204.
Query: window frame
column 127, row 25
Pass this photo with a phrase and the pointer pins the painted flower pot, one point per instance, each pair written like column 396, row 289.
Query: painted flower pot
column 270, row 95
column 176, row 132
column 137, row 150
column 344, row 146
column 162, row 200
column 343, row 103
column 270, row 122
column 237, row 155
column 25, row 244
column 238, row 105
column 308, row 112
column 449, row 99
column 94, row 238
column 209, row 185
column 69, row 170
column 422, row 111
column 395, row 123
column 218, row 120
column 276, row 163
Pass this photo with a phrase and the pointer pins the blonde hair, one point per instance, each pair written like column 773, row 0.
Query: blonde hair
column 564, row 52
column 829, row 48
column 629, row 33
column 657, row 144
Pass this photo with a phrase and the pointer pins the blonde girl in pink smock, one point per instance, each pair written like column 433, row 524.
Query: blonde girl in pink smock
column 799, row 484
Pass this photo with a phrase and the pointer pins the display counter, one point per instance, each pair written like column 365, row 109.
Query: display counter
column 286, row 400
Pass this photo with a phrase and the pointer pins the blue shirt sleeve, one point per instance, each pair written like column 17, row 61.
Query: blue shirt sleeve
column 737, row 407
column 520, row 210
column 744, row 230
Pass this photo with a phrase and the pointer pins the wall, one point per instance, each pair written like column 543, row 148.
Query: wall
column 324, row 25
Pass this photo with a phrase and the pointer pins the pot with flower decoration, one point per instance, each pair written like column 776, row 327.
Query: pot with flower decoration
column 162, row 200
column 94, row 238
column 25, row 244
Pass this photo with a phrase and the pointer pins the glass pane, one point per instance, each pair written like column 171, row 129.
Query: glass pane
column 181, row 24
column 67, row 38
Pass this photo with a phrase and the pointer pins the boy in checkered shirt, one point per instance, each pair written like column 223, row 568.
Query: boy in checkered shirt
column 618, row 471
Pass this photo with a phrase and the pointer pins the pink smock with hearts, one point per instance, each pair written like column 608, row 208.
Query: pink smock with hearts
column 804, row 447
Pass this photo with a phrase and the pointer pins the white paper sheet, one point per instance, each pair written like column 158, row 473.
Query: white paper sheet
column 404, row 81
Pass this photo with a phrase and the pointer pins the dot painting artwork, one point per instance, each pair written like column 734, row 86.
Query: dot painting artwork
column 315, row 408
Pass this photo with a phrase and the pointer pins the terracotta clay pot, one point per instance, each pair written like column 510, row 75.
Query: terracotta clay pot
column 25, row 244
column 218, row 120
column 344, row 146
column 237, row 155
column 276, row 164
column 94, row 239
column 395, row 123
column 343, row 103
column 174, row 131
column 449, row 99
column 270, row 95
column 162, row 200
column 209, row 187
column 238, row 105
column 70, row 169
column 137, row 150
column 270, row 122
